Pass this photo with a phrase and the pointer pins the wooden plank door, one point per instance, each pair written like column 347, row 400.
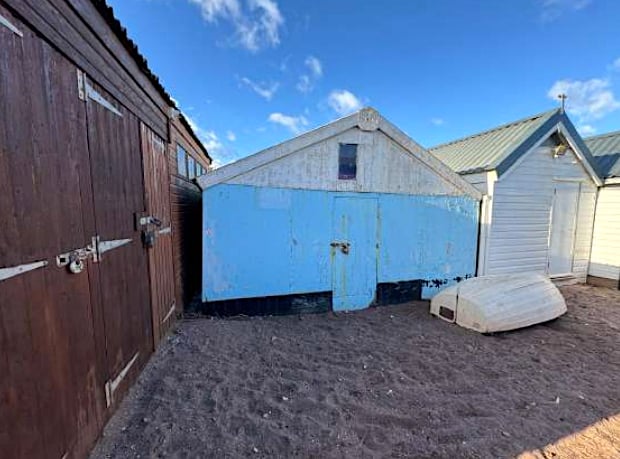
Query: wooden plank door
column 563, row 224
column 354, row 252
column 122, row 273
column 51, row 402
column 157, row 226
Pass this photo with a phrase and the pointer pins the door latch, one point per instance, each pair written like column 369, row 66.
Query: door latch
column 74, row 260
column 149, row 235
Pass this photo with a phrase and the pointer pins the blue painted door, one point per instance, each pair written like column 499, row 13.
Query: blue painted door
column 354, row 252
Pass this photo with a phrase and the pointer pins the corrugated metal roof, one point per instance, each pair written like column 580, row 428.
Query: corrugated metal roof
column 487, row 150
column 107, row 12
column 606, row 151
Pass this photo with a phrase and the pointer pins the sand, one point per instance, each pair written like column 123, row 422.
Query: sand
column 385, row 382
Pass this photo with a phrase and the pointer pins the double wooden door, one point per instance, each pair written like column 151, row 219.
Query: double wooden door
column 77, row 283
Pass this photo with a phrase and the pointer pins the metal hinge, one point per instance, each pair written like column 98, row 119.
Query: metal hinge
column 112, row 385
column 81, row 77
column 7, row 273
column 9, row 25
column 166, row 230
column 106, row 246
column 86, row 91
column 170, row 312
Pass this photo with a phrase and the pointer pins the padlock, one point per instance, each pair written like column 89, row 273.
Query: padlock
column 148, row 238
column 76, row 264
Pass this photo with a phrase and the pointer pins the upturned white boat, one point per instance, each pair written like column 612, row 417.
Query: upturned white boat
column 497, row 303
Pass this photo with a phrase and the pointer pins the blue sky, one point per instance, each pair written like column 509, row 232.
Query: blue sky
column 252, row 73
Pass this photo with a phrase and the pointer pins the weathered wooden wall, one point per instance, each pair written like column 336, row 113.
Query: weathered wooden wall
column 49, row 352
column 186, row 209
column 83, row 131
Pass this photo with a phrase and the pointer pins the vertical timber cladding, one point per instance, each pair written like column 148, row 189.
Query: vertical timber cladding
column 157, row 226
column 122, row 274
column 51, row 397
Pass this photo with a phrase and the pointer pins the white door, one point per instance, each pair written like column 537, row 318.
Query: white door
column 563, row 222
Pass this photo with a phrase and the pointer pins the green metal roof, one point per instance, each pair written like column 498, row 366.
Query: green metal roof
column 606, row 151
column 488, row 150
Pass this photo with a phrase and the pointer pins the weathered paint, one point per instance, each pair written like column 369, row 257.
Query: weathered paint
column 389, row 161
column 263, row 241
column 354, row 269
column 383, row 166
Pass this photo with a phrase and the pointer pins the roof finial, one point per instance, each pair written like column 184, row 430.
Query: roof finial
column 563, row 98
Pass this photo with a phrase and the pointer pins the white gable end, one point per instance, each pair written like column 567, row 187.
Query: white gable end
column 383, row 166
column 388, row 161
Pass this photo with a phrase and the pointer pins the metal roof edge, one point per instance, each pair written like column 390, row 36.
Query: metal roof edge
column 497, row 128
column 583, row 148
column 107, row 13
column 535, row 134
column 600, row 136
column 558, row 118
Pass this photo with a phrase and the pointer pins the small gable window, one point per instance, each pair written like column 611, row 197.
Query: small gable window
column 347, row 161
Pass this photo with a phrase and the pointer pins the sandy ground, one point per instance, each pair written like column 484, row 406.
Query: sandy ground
column 390, row 381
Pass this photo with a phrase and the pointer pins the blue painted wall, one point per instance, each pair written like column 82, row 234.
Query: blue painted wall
column 260, row 241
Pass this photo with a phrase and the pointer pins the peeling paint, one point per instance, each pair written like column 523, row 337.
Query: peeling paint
column 254, row 251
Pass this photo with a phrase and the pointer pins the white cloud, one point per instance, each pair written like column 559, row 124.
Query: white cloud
column 307, row 81
column 586, row 99
column 256, row 26
column 553, row 9
column 315, row 66
column 295, row 124
column 437, row 121
column 208, row 138
column 586, row 130
column 230, row 135
column 219, row 152
column 616, row 65
column 265, row 90
column 343, row 102
column 305, row 84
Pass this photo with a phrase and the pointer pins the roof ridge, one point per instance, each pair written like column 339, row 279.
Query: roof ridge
column 547, row 113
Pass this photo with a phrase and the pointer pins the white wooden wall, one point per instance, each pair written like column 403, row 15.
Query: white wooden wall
column 518, row 237
column 383, row 166
column 605, row 259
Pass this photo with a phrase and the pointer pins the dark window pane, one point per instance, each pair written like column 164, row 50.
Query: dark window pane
column 347, row 161
column 181, row 161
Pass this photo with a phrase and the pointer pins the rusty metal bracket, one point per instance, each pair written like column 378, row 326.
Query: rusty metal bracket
column 9, row 25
